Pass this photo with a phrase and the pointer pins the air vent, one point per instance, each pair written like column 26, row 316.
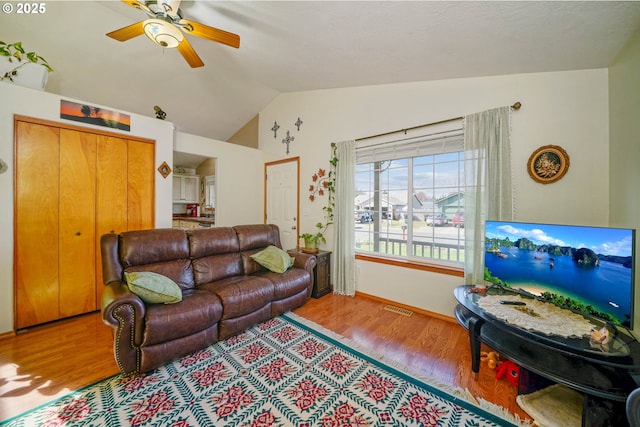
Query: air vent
column 398, row 310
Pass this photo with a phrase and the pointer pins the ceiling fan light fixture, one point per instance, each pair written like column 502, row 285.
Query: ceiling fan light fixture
column 162, row 33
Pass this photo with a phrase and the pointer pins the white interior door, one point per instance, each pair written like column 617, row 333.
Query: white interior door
column 281, row 199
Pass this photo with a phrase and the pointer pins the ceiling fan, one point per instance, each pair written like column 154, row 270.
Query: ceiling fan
column 164, row 27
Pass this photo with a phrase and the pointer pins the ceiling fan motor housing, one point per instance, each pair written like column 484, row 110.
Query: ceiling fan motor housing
column 165, row 9
column 162, row 33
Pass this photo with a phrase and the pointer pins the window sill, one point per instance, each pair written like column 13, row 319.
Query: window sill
column 406, row 263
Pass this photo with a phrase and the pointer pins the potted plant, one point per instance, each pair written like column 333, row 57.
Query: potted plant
column 322, row 183
column 311, row 240
column 17, row 58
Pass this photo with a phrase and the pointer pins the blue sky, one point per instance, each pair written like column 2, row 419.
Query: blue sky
column 435, row 175
column 607, row 241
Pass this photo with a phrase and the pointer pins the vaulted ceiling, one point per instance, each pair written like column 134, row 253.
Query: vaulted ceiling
column 305, row 45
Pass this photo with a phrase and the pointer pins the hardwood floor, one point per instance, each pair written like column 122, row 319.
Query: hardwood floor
column 49, row 361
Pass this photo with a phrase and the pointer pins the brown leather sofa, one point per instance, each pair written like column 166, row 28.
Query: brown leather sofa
column 224, row 291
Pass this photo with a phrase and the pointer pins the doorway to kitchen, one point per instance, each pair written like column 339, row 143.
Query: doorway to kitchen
column 194, row 189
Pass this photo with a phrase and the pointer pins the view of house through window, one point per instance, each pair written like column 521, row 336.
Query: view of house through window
column 409, row 198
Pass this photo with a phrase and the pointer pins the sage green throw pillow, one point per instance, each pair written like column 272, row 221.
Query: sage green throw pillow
column 274, row 259
column 153, row 288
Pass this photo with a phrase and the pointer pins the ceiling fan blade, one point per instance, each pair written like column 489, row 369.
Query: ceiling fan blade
column 128, row 32
column 207, row 32
column 189, row 54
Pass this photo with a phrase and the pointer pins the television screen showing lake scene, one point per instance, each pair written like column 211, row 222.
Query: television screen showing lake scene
column 586, row 269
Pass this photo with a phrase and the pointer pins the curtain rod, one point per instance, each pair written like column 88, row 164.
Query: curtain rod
column 515, row 106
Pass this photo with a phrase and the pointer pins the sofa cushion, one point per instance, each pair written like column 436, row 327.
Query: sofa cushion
column 216, row 267
column 205, row 242
column 274, row 259
column 198, row 310
column 153, row 246
column 241, row 294
column 153, row 288
column 163, row 251
column 249, row 265
column 288, row 283
column 257, row 236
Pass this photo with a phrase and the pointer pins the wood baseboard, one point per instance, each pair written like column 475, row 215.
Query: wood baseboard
column 9, row 334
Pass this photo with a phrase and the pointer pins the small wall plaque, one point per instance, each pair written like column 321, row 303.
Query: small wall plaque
column 548, row 164
column 164, row 170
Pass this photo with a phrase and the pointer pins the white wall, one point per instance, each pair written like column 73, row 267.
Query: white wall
column 239, row 183
column 569, row 109
column 624, row 98
column 46, row 106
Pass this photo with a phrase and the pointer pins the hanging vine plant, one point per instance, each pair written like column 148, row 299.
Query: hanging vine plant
column 323, row 182
column 19, row 57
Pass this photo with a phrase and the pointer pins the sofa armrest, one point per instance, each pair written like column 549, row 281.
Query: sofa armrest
column 124, row 311
column 306, row 261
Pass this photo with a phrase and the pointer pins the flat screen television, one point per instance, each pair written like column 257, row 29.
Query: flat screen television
column 589, row 270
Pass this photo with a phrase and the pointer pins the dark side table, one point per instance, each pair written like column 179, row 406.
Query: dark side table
column 321, row 272
column 605, row 379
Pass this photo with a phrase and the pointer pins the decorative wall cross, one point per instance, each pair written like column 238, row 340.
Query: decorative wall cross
column 275, row 128
column 298, row 123
column 288, row 140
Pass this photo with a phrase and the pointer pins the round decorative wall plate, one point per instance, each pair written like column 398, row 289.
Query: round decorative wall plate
column 548, row 164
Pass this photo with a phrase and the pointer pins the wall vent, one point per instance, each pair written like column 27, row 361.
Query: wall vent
column 398, row 310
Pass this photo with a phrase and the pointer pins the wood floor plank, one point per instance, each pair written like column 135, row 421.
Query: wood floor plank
column 46, row 362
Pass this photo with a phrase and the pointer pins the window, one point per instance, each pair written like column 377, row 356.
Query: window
column 414, row 191
column 210, row 194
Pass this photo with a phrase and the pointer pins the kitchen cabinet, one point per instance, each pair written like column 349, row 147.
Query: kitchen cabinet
column 71, row 186
column 185, row 188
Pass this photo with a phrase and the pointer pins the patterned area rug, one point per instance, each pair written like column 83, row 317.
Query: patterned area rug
column 279, row 373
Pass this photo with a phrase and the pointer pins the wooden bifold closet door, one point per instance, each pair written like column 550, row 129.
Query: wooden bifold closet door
column 71, row 186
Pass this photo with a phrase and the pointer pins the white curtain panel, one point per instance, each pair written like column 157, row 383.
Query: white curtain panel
column 488, row 188
column 344, row 278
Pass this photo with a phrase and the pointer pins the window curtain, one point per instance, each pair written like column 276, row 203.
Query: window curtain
column 488, row 188
column 344, row 278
